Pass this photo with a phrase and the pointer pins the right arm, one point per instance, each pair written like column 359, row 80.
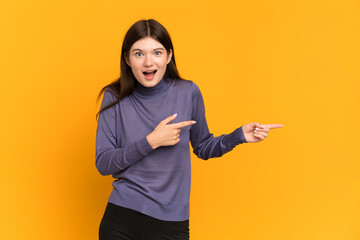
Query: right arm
column 111, row 159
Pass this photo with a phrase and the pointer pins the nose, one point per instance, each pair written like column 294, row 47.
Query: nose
column 148, row 61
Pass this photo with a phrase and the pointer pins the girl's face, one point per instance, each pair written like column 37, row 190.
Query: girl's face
column 148, row 59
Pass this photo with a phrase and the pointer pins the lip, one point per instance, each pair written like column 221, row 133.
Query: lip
column 150, row 78
column 149, row 70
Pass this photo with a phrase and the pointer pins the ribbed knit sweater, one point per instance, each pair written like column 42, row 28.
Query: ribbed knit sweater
column 156, row 182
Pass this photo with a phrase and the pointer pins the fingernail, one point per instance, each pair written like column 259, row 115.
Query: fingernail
column 175, row 115
column 256, row 128
column 194, row 121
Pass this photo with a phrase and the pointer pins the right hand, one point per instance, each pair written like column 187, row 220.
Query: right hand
column 167, row 134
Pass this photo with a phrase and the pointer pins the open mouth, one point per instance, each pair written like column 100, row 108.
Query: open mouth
column 149, row 73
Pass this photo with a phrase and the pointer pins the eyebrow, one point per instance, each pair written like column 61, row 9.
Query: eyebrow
column 137, row 49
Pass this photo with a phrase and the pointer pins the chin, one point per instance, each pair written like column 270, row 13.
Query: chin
column 151, row 83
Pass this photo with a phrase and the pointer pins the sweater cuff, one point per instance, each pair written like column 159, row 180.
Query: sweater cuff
column 234, row 138
column 144, row 147
column 242, row 136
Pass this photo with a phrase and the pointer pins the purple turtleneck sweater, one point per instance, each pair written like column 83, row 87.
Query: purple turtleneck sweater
column 156, row 182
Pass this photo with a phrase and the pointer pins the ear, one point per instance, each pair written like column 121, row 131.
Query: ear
column 127, row 60
column 170, row 56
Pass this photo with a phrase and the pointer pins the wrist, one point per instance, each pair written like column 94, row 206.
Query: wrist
column 151, row 141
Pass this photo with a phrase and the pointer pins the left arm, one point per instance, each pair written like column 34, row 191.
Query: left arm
column 204, row 144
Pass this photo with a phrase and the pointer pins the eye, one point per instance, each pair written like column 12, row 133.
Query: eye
column 157, row 53
column 138, row 54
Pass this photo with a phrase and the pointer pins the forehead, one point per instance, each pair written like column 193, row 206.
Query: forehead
column 147, row 43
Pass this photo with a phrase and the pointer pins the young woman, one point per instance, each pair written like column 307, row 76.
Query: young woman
column 147, row 118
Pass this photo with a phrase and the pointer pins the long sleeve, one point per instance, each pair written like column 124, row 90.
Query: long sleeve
column 111, row 159
column 204, row 144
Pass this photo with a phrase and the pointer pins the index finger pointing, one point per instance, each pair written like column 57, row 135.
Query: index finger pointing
column 273, row 125
column 183, row 124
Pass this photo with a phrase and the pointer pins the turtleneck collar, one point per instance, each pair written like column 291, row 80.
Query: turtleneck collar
column 148, row 92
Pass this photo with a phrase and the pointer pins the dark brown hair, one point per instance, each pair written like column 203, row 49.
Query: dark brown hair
column 125, row 84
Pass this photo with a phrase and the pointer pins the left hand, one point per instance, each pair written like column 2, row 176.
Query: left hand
column 256, row 132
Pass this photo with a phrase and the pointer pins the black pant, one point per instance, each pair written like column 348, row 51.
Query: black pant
column 119, row 223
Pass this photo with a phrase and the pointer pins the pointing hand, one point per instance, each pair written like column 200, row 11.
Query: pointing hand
column 256, row 132
column 167, row 134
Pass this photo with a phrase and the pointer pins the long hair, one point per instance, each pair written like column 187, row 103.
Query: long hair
column 125, row 84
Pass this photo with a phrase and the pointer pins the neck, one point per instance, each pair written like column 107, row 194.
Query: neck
column 159, row 88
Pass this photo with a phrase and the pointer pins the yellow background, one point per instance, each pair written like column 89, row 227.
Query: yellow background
column 291, row 62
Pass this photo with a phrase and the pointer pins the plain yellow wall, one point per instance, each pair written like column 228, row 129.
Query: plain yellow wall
column 291, row 62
